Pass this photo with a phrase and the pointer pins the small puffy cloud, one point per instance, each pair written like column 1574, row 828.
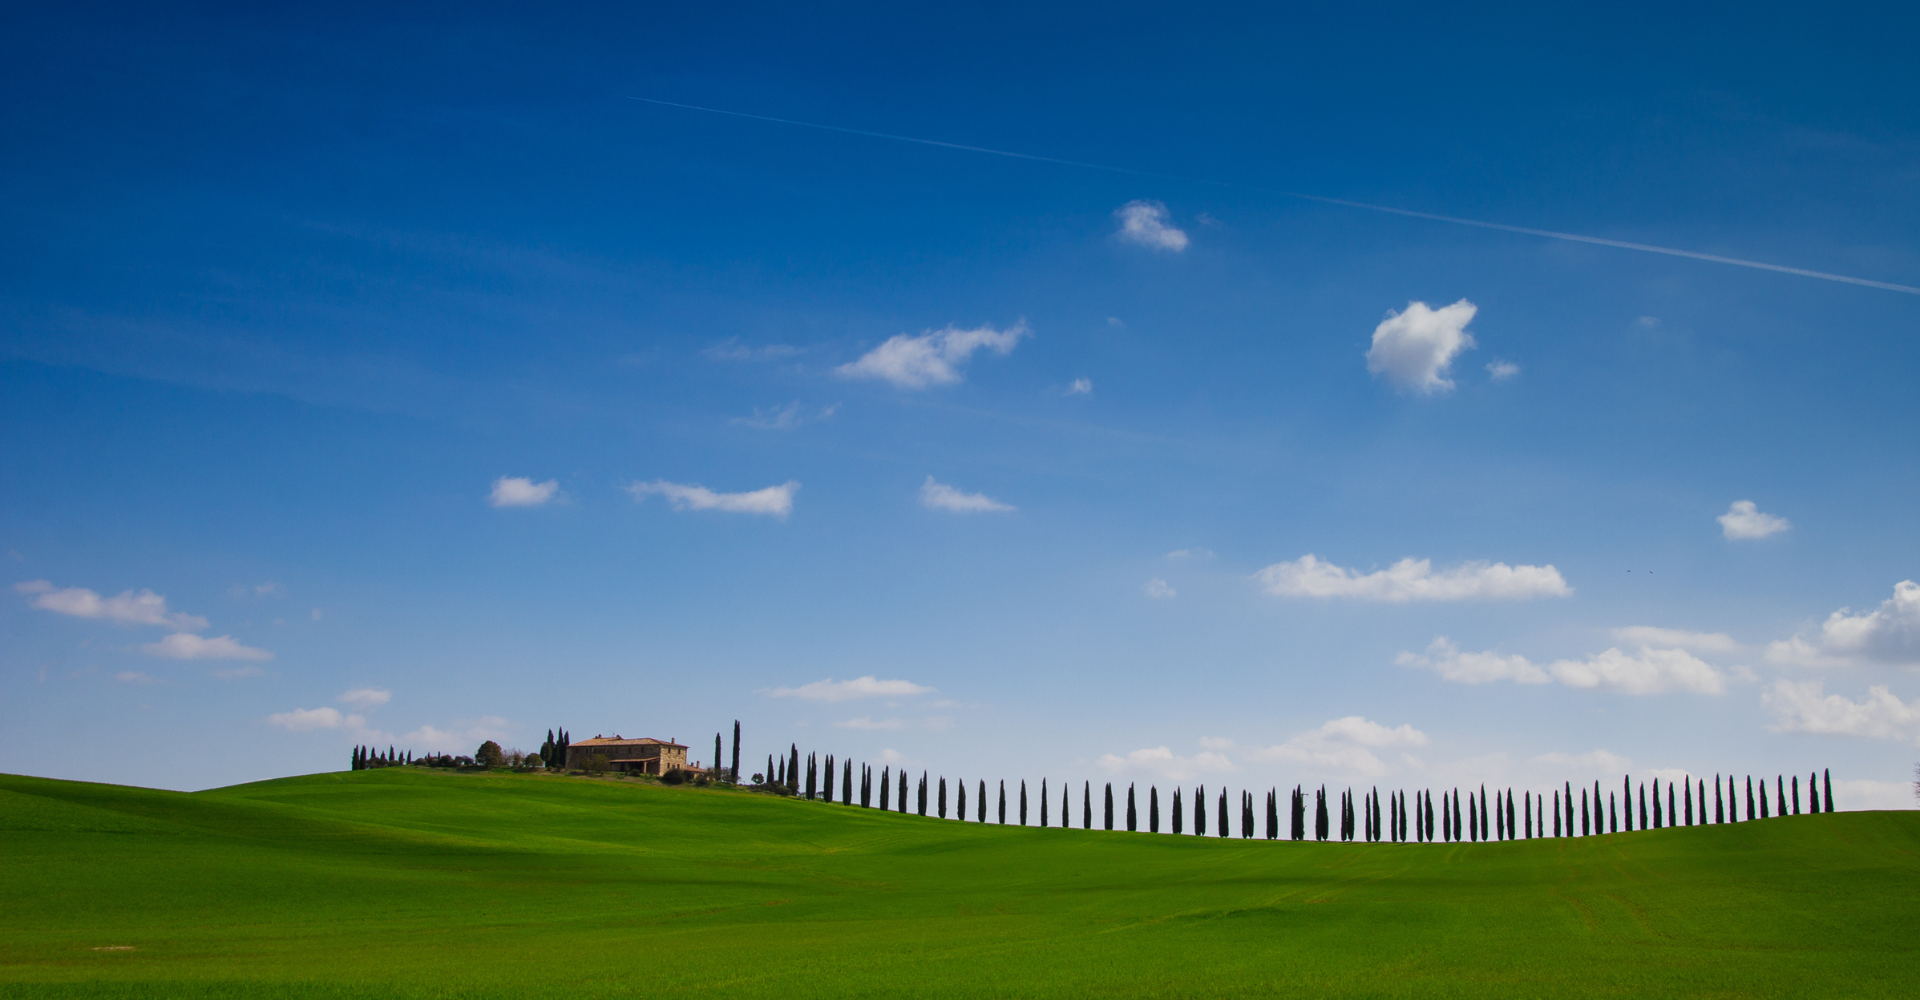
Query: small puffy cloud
column 1745, row 520
column 366, row 698
column 860, row 687
column 868, row 722
column 1446, row 659
column 1648, row 671
column 142, row 607
column 1160, row 590
column 1413, row 580
column 1888, row 634
column 1502, row 370
column 1415, row 349
column 1805, row 707
column 187, row 646
column 940, row 496
column 462, row 738
column 1164, row 762
column 522, row 491
column 1343, row 747
column 932, row 358
column 774, row 501
column 1149, row 224
column 1673, row 638
column 1081, row 387
column 303, row 720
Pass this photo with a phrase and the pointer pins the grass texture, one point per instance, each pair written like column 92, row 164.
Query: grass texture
column 410, row 883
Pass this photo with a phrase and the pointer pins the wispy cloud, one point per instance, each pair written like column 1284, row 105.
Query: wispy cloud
column 1160, row 590
column 940, row 496
column 732, row 350
column 366, row 698
column 868, row 722
column 932, row 358
column 135, row 677
column 129, row 607
column 773, row 501
column 859, row 687
column 783, row 418
column 1195, row 553
column 522, row 491
column 1081, row 387
column 1415, row 349
column 1805, row 707
column 1342, row 747
column 1413, row 580
column 303, row 720
column 187, row 646
column 1164, row 762
column 1149, row 224
column 1744, row 520
column 1502, row 370
column 1647, row 671
column 1699, row 642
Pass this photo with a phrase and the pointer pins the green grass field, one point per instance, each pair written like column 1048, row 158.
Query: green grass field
column 409, row 883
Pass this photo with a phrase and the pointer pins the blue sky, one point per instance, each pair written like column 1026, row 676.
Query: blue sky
column 391, row 374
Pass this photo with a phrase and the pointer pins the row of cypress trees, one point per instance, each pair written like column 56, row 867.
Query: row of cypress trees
column 1361, row 816
column 554, row 750
column 365, row 758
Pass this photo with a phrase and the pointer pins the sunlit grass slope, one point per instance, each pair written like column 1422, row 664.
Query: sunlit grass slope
column 430, row 884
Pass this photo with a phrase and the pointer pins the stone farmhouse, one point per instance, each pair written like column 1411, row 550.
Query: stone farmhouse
column 640, row 756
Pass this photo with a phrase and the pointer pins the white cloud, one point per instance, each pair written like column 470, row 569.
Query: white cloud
column 1745, row 520
column 933, row 358
column 269, row 589
column 128, row 607
column 1193, row 553
column 366, row 698
column 868, row 722
column 1081, row 387
column 1804, row 707
column 1147, row 223
column 1887, row 634
column 1446, row 659
column 1650, row 671
column 463, row 738
column 303, row 720
column 187, row 646
column 732, row 350
column 1502, row 370
column 774, row 501
column 1343, row 747
column 1413, row 580
column 135, row 677
column 1853, row 794
column 1165, row 763
column 1415, row 349
column 860, row 687
column 940, row 496
column 1116, row 322
column 1160, row 590
column 1673, row 638
column 521, row 491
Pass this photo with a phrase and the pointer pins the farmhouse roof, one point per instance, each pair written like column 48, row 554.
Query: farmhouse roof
column 616, row 741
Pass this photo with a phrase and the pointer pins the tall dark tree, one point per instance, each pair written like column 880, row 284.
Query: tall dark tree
column 736, row 751
column 1023, row 802
column 846, row 784
column 943, row 797
column 962, row 811
column 1153, row 808
column 902, row 799
column 1246, row 815
column 1220, row 813
column 1826, row 782
column 921, row 800
column 793, row 768
column 866, row 786
column 1200, row 811
column 1086, row 805
column 1586, row 829
column 1780, row 787
column 886, row 789
column 1320, row 822
column 1273, row 814
column 1764, row 813
column 1688, row 804
column 1719, row 803
column 1659, row 818
column 1750, row 813
column 1109, row 806
column 718, row 771
column 982, row 807
column 1672, row 817
column 1003, row 802
column 783, row 771
column 1795, row 800
column 1556, row 813
column 813, row 766
column 1043, row 803
column 1175, row 812
column 1297, row 821
column 1066, row 806
column 1133, row 815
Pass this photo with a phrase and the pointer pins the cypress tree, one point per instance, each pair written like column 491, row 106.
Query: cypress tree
column 1688, row 814
column 1826, row 781
column 1108, row 814
column 1043, row 802
column 921, row 799
column 1221, row 813
column 846, row 785
column 783, row 771
column 1763, row 799
column 981, row 809
column 1796, row 797
column 1320, row 814
column 793, row 771
column 1781, row 798
column 1749, row 798
column 1086, row 805
column 901, row 801
column 1066, row 806
column 812, row 766
column 1175, row 812
column 1200, row 811
column 1673, row 818
column 1613, row 818
column 1586, row 828
column 736, row 751
column 1153, row 808
column 1023, row 802
column 961, row 786
column 886, row 788
column 1273, row 814
column 943, row 797
column 1719, row 804
column 1556, row 813
column 718, row 771
column 1297, row 824
column 1133, row 818
column 1246, row 815
column 1003, row 802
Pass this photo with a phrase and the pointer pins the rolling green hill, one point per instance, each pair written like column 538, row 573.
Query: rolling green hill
column 410, row 883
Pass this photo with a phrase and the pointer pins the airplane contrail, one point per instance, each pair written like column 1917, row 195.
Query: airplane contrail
column 1387, row 209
